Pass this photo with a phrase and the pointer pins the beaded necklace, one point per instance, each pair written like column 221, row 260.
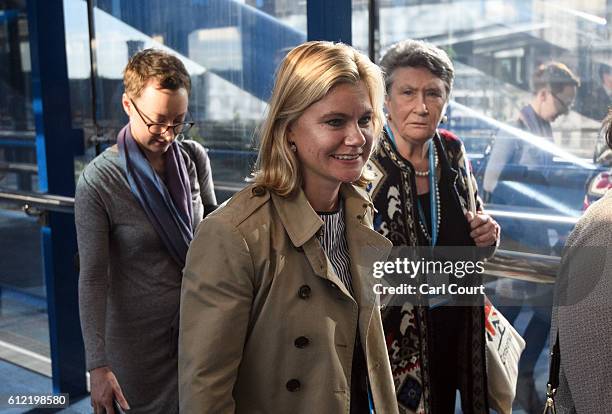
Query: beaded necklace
column 426, row 172
column 434, row 197
column 417, row 173
column 434, row 192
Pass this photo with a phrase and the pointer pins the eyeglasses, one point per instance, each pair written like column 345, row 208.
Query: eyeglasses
column 565, row 107
column 160, row 128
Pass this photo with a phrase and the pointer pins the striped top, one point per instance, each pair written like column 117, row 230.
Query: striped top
column 333, row 242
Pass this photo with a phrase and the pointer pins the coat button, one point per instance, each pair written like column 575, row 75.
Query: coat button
column 301, row 342
column 304, row 292
column 258, row 191
column 293, row 385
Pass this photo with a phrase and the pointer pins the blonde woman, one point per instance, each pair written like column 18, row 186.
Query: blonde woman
column 278, row 313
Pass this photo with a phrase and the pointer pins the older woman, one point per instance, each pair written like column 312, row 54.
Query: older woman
column 421, row 195
column 135, row 207
column 278, row 314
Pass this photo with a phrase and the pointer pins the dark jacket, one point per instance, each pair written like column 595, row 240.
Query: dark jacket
column 408, row 328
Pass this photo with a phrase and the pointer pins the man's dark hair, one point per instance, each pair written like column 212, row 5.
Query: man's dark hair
column 554, row 75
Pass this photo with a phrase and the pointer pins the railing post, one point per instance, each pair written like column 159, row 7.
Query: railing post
column 56, row 142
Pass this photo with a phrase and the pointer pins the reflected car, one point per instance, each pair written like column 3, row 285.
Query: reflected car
column 600, row 181
column 536, row 205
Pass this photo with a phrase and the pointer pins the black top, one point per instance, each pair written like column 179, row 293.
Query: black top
column 446, row 321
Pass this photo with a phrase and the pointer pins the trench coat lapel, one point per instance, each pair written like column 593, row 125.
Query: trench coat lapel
column 365, row 247
column 302, row 224
column 299, row 219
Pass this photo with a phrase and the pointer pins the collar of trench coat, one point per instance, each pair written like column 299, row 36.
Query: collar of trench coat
column 365, row 245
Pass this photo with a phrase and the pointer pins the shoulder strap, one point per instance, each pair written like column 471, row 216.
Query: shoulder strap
column 553, row 376
column 188, row 150
column 555, row 364
column 208, row 208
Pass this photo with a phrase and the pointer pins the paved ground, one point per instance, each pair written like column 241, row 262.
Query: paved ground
column 24, row 325
column 19, row 381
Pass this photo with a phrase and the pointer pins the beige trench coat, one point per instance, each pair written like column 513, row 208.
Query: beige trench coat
column 266, row 324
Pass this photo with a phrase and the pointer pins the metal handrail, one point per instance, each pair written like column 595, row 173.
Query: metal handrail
column 43, row 202
column 506, row 263
column 18, row 167
column 523, row 266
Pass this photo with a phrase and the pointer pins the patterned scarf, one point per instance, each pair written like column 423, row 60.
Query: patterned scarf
column 168, row 206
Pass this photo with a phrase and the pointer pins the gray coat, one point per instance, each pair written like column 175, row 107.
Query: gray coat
column 583, row 314
column 129, row 285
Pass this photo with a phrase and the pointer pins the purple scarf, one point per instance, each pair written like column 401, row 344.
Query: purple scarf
column 168, row 206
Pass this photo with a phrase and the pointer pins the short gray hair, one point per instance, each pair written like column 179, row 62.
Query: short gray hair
column 418, row 54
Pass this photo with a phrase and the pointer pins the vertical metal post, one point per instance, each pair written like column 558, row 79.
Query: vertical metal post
column 93, row 74
column 373, row 30
column 56, row 144
column 330, row 20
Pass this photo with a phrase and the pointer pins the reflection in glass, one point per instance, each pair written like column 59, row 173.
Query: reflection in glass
column 496, row 46
column 18, row 169
column 230, row 49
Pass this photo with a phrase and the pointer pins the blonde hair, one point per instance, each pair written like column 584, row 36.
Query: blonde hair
column 304, row 77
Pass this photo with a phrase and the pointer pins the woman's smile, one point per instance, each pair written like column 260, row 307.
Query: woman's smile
column 346, row 157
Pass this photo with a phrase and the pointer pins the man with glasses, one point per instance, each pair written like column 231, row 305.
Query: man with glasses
column 516, row 175
column 555, row 87
column 136, row 208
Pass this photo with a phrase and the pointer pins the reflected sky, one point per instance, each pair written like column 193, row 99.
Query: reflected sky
column 111, row 36
column 542, row 198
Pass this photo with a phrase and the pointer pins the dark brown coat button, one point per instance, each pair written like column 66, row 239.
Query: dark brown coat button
column 304, row 292
column 301, row 342
column 258, row 191
column 293, row 385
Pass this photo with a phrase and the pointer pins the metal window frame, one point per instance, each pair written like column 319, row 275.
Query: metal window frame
column 330, row 20
column 56, row 145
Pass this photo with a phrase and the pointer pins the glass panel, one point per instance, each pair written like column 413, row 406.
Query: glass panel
column 360, row 25
column 543, row 182
column 23, row 312
column 23, row 315
column 18, row 169
column 230, row 49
